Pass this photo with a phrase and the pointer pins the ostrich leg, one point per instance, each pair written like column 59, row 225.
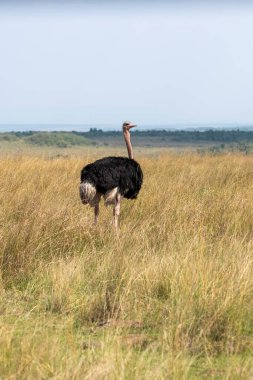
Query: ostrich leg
column 95, row 204
column 116, row 211
column 96, row 213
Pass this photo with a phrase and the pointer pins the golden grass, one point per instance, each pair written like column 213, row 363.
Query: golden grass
column 169, row 298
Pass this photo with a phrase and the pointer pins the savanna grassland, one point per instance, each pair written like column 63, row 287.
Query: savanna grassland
column 170, row 297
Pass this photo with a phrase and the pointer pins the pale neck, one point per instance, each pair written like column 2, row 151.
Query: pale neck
column 126, row 134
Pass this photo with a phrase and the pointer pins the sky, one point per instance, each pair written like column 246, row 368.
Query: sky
column 152, row 62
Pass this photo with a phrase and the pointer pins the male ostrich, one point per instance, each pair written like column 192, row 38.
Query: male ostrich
column 113, row 178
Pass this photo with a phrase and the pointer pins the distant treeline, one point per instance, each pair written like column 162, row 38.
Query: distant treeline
column 211, row 135
column 142, row 138
column 60, row 139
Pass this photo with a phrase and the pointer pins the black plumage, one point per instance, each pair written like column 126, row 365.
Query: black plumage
column 110, row 172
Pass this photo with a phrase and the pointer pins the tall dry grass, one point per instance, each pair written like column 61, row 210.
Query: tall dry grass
column 169, row 298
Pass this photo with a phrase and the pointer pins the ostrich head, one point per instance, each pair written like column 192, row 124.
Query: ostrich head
column 128, row 125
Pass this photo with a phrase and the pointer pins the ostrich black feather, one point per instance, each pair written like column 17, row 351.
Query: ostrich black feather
column 110, row 172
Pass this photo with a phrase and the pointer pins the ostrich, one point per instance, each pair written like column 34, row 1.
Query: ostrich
column 113, row 178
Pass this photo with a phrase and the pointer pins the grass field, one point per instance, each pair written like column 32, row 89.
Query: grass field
column 171, row 297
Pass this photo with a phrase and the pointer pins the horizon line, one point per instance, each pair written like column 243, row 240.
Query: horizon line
column 110, row 124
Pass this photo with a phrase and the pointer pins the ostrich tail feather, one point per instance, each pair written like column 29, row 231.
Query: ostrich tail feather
column 87, row 192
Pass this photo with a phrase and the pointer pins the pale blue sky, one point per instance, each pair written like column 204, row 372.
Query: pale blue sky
column 153, row 64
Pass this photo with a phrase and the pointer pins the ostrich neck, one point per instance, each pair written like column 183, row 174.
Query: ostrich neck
column 128, row 144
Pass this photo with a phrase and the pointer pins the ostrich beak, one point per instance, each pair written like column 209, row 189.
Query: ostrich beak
column 128, row 125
